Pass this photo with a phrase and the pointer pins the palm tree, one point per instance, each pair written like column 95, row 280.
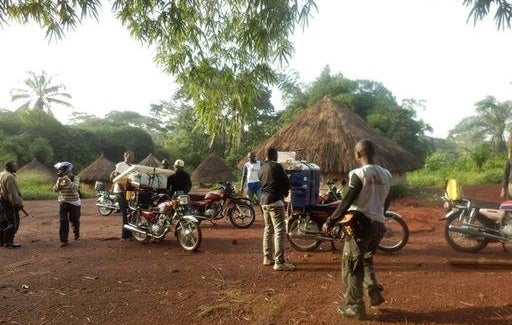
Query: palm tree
column 40, row 93
column 493, row 117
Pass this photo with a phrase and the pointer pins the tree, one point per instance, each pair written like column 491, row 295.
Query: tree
column 481, row 8
column 488, row 126
column 220, row 51
column 40, row 93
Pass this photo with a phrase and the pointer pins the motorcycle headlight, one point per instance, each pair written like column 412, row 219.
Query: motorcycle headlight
column 183, row 199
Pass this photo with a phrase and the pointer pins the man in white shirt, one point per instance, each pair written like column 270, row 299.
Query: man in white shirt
column 250, row 177
column 120, row 191
column 361, row 213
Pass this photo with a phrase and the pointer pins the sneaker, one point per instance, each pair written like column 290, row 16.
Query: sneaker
column 267, row 261
column 64, row 244
column 351, row 312
column 285, row 266
column 376, row 298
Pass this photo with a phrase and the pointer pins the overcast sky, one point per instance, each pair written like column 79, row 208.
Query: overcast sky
column 421, row 49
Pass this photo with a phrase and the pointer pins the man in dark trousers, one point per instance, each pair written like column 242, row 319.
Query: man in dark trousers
column 180, row 181
column 275, row 186
column 120, row 191
column 362, row 217
column 11, row 202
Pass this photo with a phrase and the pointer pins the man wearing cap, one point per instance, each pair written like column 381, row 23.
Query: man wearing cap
column 11, row 202
column 67, row 185
column 180, row 180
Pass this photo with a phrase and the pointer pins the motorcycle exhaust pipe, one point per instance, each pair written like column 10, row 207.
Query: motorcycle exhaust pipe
column 101, row 205
column 138, row 230
column 477, row 232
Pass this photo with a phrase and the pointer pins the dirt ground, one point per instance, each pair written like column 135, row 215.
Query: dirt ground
column 101, row 280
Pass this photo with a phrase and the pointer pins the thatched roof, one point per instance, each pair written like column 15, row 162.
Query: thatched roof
column 326, row 134
column 212, row 170
column 98, row 170
column 35, row 166
column 151, row 161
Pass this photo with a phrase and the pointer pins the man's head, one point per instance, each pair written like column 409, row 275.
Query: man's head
column 179, row 164
column 272, row 154
column 251, row 156
column 364, row 151
column 166, row 164
column 129, row 157
column 11, row 166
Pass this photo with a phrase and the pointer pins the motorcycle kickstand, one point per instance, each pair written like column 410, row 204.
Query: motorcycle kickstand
column 333, row 247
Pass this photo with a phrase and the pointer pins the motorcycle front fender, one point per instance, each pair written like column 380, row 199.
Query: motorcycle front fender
column 190, row 217
column 244, row 200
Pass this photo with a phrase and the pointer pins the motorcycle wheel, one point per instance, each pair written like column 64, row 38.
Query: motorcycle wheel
column 104, row 211
column 463, row 242
column 397, row 233
column 242, row 215
column 135, row 219
column 300, row 241
column 189, row 235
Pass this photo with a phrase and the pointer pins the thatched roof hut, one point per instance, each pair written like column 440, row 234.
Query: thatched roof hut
column 98, row 170
column 151, row 161
column 36, row 167
column 212, row 170
column 326, row 134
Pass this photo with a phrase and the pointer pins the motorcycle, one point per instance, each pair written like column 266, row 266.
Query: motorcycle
column 470, row 226
column 106, row 201
column 304, row 225
column 224, row 203
column 304, row 229
column 156, row 214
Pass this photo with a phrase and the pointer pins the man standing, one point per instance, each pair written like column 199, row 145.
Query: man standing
column 250, row 177
column 362, row 213
column 275, row 187
column 120, row 191
column 179, row 181
column 506, row 182
column 67, row 186
column 11, row 202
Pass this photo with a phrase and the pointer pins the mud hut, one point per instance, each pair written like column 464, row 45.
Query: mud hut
column 151, row 161
column 326, row 134
column 98, row 170
column 37, row 168
column 212, row 170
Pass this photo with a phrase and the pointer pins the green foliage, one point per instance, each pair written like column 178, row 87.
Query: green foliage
column 439, row 167
column 481, row 8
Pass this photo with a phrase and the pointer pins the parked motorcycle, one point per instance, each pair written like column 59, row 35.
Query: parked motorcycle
column 304, row 229
column 156, row 214
column 224, row 203
column 106, row 201
column 470, row 226
column 332, row 195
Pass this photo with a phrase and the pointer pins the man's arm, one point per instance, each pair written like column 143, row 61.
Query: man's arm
column 354, row 188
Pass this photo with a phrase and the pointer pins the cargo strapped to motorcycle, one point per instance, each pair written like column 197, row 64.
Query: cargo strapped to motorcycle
column 453, row 190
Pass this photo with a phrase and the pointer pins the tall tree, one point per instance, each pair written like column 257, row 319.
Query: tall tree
column 489, row 126
column 482, row 8
column 40, row 93
column 220, row 51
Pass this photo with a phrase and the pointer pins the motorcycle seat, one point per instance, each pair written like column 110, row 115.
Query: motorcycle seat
column 325, row 207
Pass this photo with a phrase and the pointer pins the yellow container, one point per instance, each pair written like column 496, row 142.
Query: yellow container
column 453, row 190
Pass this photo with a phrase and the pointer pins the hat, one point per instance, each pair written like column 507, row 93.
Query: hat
column 179, row 163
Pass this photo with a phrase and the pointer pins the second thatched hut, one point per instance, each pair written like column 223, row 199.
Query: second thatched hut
column 212, row 170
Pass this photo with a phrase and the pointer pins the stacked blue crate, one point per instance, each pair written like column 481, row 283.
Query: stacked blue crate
column 304, row 183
